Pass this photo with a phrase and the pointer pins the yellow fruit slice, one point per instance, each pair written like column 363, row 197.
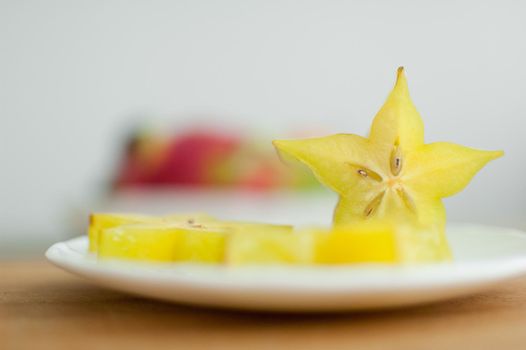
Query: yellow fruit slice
column 443, row 169
column 100, row 221
column 422, row 246
column 162, row 243
column 183, row 237
column 365, row 243
column 398, row 122
column 392, row 174
column 139, row 242
column 268, row 248
column 380, row 242
column 251, row 243
column 205, row 245
column 243, row 231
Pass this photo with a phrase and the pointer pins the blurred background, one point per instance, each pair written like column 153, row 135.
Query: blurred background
column 163, row 106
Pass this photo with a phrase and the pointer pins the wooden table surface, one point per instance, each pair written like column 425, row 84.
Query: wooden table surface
column 42, row 307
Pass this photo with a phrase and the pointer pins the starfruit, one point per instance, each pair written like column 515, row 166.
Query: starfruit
column 162, row 243
column 392, row 173
column 101, row 221
column 176, row 238
column 372, row 241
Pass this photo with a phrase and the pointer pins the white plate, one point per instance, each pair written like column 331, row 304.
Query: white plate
column 484, row 257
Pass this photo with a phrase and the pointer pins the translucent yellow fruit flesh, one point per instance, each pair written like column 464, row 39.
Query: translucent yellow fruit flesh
column 162, row 243
column 335, row 160
column 212, row 245
column 391, row 174
column 443, row 169
column 425, row 210
column 190, row 238
column 422, row 246
column 100, row 221
column 366, row 243
column 269, row 248
column 202, row 245
column 139, row 242
column 398, row 121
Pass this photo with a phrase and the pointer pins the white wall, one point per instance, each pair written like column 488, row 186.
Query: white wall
column 73, row 72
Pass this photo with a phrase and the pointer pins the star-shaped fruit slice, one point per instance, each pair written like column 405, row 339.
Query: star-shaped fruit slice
column 392, row 173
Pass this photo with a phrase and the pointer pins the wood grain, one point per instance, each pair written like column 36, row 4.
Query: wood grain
column 42, row 307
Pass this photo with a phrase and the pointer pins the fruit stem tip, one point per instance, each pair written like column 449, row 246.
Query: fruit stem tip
column 401, row 83
column 400, row 73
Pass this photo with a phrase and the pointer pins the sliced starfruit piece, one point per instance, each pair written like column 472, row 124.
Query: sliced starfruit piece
column 100, row 221
column 146, row 242
column 267, row 247
column 205, row 245
column 423, row 245
column 359, row 243
column 181, row 240
column 244, row 230
column 367, row 242
column 380, row 242
column 392, row 173
column 162, row 243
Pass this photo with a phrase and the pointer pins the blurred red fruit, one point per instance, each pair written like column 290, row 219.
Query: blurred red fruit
column 190, row 158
